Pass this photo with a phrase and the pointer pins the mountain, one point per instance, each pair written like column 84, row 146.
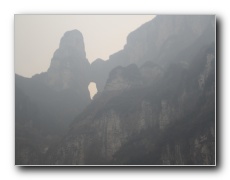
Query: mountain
column 28, row 142
column 57, row 95
column 161, row 40
column 155, row 103
column 171, row 121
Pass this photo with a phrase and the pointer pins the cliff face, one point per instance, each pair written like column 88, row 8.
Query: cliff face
column 162, row 40
column 124, row 78
column 56, row 96
column 170, row 121
column 69, row 68
column 155, row 105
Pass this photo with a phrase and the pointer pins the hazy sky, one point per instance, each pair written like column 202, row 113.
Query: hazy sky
column 38, row 36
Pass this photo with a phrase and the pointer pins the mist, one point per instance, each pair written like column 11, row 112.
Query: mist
column 151, row 101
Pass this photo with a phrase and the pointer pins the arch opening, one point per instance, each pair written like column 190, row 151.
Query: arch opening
column 92, row 87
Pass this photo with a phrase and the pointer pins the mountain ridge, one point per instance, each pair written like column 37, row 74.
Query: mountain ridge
column 160, row 85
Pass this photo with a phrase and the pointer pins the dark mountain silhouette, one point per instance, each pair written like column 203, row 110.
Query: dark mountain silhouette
column 57, row 95
column 155, row 105
column 171, row 121
column 162, row 40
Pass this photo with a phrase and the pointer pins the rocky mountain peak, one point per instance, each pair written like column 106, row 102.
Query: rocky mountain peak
column 71, row 48
column 160, row 39
column 69, row 66
column 121, row 78
column 155, row 106
column 73, row 40
column 151, row 72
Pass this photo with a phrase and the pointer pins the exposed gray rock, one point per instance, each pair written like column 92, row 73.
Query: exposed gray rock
column 151, row 73
column 156, row 100
column 58, row 95
column 154, row 124
column 121, row 78
column 69, row 68
column 164, row 39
